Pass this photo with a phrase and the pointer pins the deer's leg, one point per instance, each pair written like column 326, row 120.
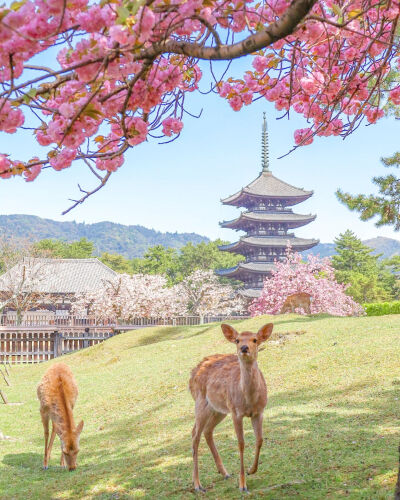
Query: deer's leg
column 53, row 434
column 201, row 416
column 213, row 420
column 257, row 426
column 238, row 424
column 45, row 422
column 62, row 460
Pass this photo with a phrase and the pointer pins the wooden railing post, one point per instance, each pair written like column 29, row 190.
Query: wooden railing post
column 57, row 348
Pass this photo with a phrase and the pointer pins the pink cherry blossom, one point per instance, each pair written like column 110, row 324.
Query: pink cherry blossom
column 303, row 136
column 395, row 95
column 172, row 126
column 119, row 75
column 33, row 172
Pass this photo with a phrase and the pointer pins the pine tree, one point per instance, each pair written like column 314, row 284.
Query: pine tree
column 352, row 254
column 369, row 280
column 386, row 206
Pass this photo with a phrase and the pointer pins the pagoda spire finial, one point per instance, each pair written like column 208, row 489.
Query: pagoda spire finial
column 264, row 146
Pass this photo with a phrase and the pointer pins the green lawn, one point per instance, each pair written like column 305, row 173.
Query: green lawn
column 331, row 424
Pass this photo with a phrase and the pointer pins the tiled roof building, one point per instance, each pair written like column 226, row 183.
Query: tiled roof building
column 266, row 221
column 55, row 281
column 61, row 276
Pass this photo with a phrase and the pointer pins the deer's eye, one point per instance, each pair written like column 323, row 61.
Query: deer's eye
column 255, row 341
column 237, row 341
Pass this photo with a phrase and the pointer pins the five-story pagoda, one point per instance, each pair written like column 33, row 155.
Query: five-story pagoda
column 266, row 221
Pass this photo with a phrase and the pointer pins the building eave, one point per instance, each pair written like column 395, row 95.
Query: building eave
column 299, row 244
column 244, row 268
column 293, row 220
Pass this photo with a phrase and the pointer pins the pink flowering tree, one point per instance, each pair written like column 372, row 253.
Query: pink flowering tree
column 205, row 295
column 129, row 297
column 315, row 277
column 92, row 80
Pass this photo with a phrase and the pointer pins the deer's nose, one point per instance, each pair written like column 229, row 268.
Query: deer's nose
column 244, row 348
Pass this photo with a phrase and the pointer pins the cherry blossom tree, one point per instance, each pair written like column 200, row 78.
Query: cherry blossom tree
column 20, row 288
column 205, row 295
column 315, row 277
column 92, row 80
column 129, row 297
column 147, row 296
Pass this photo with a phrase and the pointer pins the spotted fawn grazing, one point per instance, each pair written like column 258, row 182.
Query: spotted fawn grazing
column 229, row 383
column 57, row 393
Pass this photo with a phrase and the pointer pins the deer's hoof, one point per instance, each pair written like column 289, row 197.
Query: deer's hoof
column 227, row 476
column 251, row 471
column 45, row 467
column 200, row 489
column 244, row 490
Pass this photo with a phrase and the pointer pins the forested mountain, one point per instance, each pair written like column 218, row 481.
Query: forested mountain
column 386, row 246
column 133, row 241
column 129, row 241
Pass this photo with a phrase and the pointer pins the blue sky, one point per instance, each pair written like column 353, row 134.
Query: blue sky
column 178, row 186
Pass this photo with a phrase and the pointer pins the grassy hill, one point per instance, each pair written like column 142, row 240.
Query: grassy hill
column 331, row 424
column 129, row 241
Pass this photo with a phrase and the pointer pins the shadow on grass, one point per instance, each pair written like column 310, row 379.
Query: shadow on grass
column 180, row 332
column 334, row 449
column 27, row 460
column 172, row 333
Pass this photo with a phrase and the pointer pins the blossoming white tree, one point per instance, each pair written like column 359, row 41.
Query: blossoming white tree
column 204, row 294
column 20, row 287
column 129, row 297
column 146, row 295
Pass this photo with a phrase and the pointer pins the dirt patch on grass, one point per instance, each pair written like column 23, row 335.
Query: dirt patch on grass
column 280, row 338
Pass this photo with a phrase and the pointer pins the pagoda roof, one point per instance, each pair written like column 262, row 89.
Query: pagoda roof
column 268, row 186
column 247, row 267
column 294, row 220
column 298, row 244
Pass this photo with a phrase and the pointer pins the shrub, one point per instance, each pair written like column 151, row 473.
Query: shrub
column 382, row 308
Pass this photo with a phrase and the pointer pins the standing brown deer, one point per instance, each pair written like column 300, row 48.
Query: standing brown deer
column 229, row 383
column 57, row 393
column 292, row 302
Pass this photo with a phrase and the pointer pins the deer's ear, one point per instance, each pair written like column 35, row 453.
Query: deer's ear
column 230, row 333
column 79, row 427
column 264, row 332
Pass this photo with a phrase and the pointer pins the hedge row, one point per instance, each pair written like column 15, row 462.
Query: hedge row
column 382, row 308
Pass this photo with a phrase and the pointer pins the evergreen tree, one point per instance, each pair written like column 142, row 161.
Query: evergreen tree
column 369, row 279
column 386, row 205
column 352, row 254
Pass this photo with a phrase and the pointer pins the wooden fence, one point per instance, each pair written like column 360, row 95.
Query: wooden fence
column 36, row 344
column 50, row 319
column 43, row 337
